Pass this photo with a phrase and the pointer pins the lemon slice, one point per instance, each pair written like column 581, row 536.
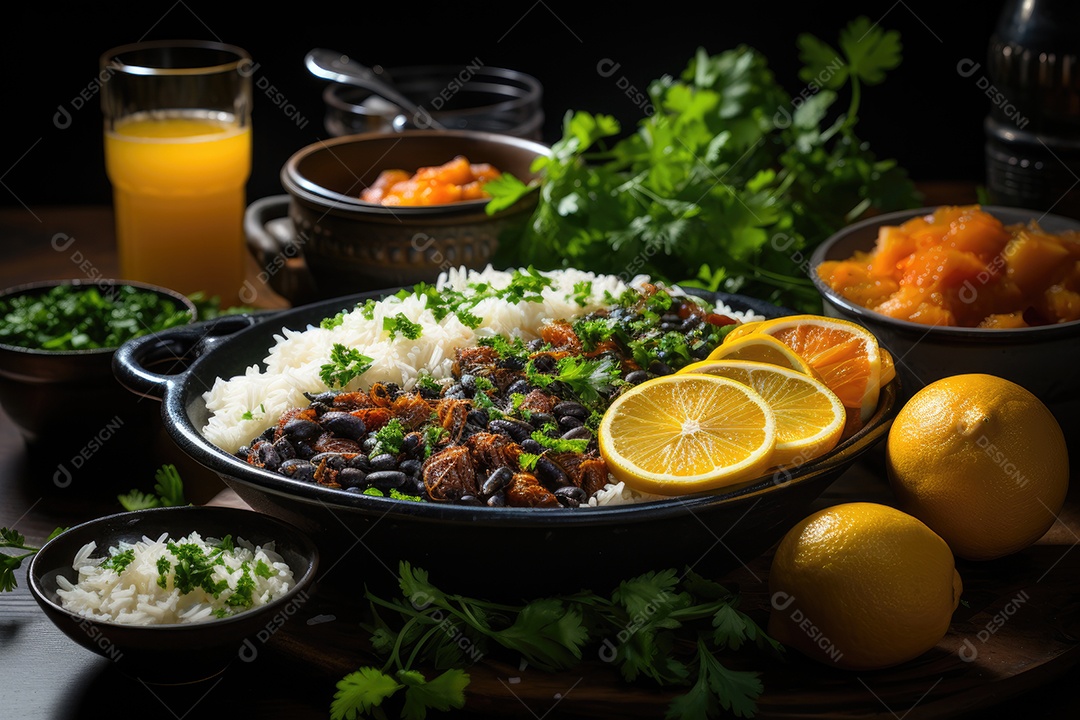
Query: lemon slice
column 687, row 433
column 742, row 330
column 810, row 418
column 759, row 347
column 845, row 355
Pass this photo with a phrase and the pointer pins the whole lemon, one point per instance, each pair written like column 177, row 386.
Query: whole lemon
column 980, row 460
column 862, row 586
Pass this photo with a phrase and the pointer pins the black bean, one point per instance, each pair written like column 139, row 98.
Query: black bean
column 430, row 393
column 535, row 345
column 540, row 419
column 360, row 462
column 268, row 434
column 386, row 479
column 469, row 500
column 325, row 397
column 516, row 431
column 700, row 351
column 410, row 467
column 411, row 443
column 479, row 416
column 497, row 500
column 243, row 452
column 511, row 363
column 689, row 324
column 636, row 377
column 285, row 449
column 420, row 488
column 569, row 422
column 320, row 408
column 468, row 383
column 384, row 461
column 549, row 473
column 569, row 407
column 301, row 429
column 571, row 496
column 298, row 469
column 268, row 456
column 544, row 363
column 498, row 479
column 351, row 477
column 670, row 317
column 578, row 433
column 355, row 490
column 334, row 461
column 659, row 367
column 343, row 424
column 369, row 443
column 519, row 387
column 532, row 447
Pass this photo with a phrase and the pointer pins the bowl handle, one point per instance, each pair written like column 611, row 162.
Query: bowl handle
column 170, row 348
column 271, row 239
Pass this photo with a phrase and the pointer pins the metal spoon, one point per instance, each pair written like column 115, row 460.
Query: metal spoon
column 331, row 65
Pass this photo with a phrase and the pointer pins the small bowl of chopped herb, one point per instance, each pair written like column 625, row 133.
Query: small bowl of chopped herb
column 174, row 595
column 57, row 340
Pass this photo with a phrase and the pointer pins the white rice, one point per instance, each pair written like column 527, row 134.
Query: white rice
column 241, row 407
column 134, row 596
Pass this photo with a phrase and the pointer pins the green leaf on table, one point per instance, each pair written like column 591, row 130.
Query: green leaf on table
column 361, row 692
column 443, row 692
column 505, row 191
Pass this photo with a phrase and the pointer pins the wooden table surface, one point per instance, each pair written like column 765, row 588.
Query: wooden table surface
column 45, row 675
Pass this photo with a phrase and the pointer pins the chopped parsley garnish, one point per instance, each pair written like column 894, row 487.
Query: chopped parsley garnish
column 163, row 567
column 119, row 561
column 527, row 461
column 250, row 414
column 589, row 379
column 225, row 544
column 506, row 347
column 194, row 569
column 389, row 438
column 593, row 331
column 401, row 324
column 433, row 435
column 367, row 310
column 345, row 365
column 425, row 381
column 82, row 317
column 245, row 586
column 332, row 322
column 583, row 292
column 482, row 383
column 263, row 570
column 556, row 444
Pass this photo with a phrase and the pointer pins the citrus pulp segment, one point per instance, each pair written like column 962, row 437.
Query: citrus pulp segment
column 685, row 433
column 809, row 417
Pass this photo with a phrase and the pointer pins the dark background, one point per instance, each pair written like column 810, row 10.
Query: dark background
column 926, row 115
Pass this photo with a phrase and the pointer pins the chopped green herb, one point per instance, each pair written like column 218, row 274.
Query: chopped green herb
column 163, row 567
column 589, row 379
column 425, row 381
column 558, row 444
column 245, row 586
column 401, row 324
column 389, row 438
column 345, row 365
column 332, row 322
column 250, row 414
column 169, row 489
column 398, row 495
column 482, row 383
column 527, row 461
column 194, row 569
column 10, row 538
column 119, row 562
column 374, row 492
column 583, row 292
column 433, row 435
column 84, row 317
column 263, row 570
column 367, row 310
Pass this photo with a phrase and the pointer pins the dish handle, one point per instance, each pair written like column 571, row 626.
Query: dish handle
column 171, row 349
column 272, row 241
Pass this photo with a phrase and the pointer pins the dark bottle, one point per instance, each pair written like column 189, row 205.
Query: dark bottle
column 1033, row 129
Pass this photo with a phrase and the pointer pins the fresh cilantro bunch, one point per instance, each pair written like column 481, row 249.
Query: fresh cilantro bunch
column 671, row 630
column 729, row 185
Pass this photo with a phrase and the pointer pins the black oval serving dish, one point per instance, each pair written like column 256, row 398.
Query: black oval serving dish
column 509, row 552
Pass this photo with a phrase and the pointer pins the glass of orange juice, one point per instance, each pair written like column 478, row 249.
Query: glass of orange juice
column 178, row 155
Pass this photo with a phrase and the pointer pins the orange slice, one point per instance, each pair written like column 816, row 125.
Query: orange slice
column 845, row 355
column 809, row 417
column 686, row 433
column 758, row 347
column 742, row 330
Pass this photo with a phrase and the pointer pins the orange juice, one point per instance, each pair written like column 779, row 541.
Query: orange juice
column 178, row 189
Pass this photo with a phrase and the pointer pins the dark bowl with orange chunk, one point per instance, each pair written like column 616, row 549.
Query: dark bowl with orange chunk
column 385, row 209
column 969, row 289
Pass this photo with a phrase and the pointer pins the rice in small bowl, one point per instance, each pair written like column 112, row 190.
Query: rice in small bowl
column 111, row 604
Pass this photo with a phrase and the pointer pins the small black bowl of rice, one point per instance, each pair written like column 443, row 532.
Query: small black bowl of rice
column 174, row 595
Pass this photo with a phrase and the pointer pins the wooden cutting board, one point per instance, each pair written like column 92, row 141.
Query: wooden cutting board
column 1017, row 629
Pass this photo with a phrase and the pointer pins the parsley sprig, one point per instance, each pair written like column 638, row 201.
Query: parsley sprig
column 649, row 202
column 345, row 364
column 168, row 492
column 673, row 630
column 13, row 539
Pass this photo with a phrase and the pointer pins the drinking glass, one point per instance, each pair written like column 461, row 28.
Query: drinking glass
column 178, row 155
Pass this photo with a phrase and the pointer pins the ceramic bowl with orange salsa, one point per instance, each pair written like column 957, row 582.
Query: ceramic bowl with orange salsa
column 952, row 290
